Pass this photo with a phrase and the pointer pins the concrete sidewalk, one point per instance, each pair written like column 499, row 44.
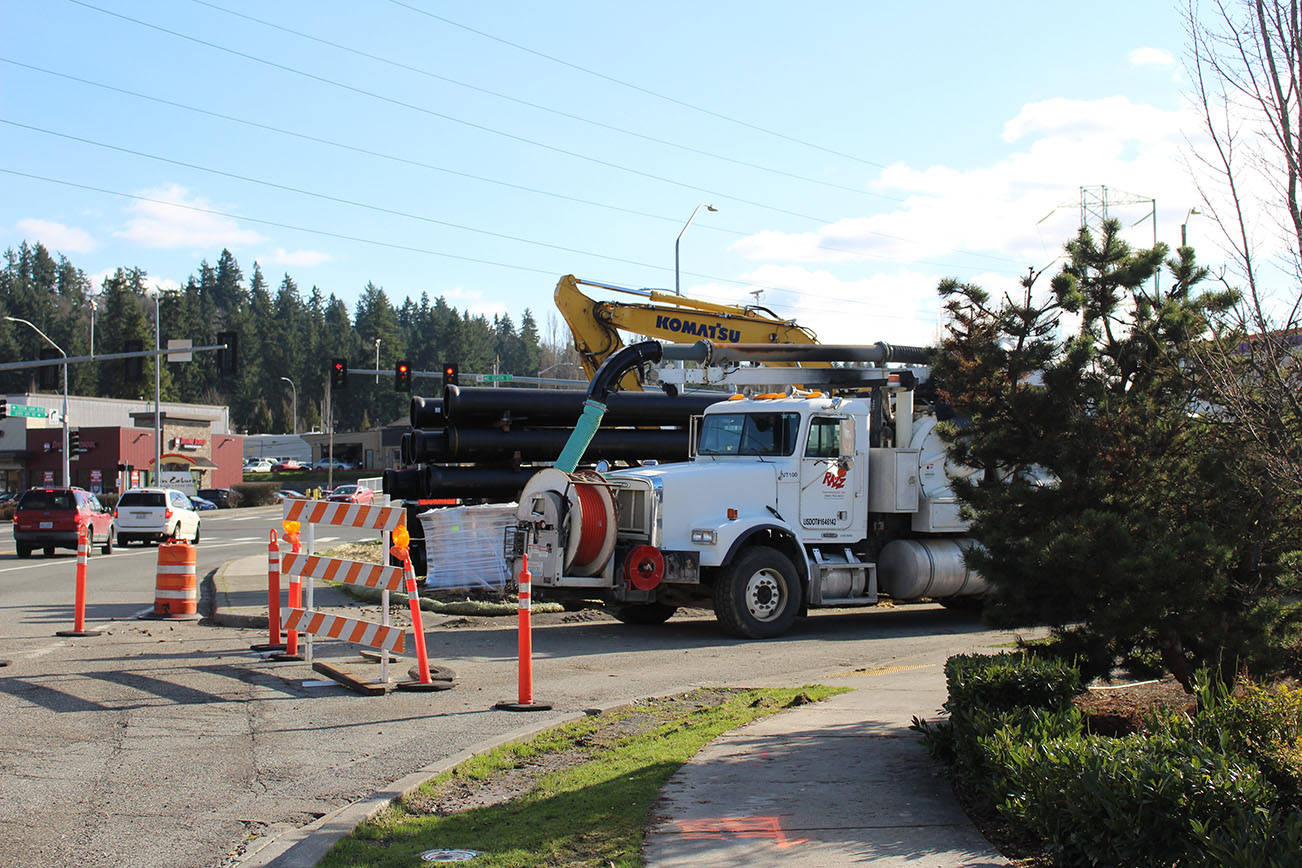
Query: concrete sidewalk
column 840, row 782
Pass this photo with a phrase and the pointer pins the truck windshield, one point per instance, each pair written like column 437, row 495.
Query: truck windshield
column 749, row 434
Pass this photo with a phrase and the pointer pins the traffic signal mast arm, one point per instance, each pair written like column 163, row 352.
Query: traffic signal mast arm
column 667, row 317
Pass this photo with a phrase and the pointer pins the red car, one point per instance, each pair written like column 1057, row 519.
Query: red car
column 351, row 494
column 47, row 518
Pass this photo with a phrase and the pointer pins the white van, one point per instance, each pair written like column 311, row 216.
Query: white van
column 154, row 515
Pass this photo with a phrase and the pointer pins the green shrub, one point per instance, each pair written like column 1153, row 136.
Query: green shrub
column 257, row 493
column 1249, row 840
column 1261, row 725
column 1137, row 800
column 1004, row 681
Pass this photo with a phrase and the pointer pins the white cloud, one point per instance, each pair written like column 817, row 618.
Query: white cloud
column 299, row 258
column 1149, row 56
column 170, row 220
column 985, row 223
column 472, row 302
column 161, row 284
column 56, row 236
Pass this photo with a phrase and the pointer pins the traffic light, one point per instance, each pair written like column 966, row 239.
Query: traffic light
column 4, row 407
column 402, row 376
column 450, row 374
column 135, row 368
column 228, row 360
column 339, row 374
column 74, row 441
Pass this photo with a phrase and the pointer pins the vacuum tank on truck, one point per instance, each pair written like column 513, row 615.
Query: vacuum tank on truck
column 785, row 503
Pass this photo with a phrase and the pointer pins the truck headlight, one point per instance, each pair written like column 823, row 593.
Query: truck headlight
column 704, row 537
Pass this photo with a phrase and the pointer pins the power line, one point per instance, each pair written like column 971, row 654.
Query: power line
column 712, row 227
column 352, row 203
column 499, row 95
column 387, row 244
column 635, row 87
column 450, row 118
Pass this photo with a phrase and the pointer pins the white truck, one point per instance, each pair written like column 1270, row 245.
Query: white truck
column 785, row 505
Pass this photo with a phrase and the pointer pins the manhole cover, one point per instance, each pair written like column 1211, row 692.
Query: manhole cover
column 448, row 855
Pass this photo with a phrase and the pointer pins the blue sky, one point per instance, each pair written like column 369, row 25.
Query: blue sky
column 856, row 151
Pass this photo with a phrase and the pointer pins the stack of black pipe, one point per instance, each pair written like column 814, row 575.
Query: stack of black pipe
column 484, row 443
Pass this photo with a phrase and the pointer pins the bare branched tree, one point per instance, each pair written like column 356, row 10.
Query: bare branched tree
column 1245, row 62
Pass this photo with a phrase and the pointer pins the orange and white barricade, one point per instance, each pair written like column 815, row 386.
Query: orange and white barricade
column 311, row 567
column 176, row 591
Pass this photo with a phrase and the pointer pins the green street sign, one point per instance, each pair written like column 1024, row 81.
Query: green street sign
column 28, row 411
column 498, row 378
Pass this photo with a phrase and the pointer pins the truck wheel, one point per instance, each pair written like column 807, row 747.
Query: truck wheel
column 23, row 551
column 643, row 613
column 759, row 596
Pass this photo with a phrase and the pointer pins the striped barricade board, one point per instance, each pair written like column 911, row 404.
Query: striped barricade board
column 368, row 575
column 350, row 630
column 345, row 514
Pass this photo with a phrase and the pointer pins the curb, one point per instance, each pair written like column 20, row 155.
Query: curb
column 305, row 846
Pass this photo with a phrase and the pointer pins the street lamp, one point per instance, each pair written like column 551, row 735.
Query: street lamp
column 677, row 288
column 158, row 416
column 377, row 364
column 1183, row 225
column 291, row 385
column 67, row 474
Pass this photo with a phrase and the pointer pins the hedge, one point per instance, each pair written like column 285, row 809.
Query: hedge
column 1217, row 788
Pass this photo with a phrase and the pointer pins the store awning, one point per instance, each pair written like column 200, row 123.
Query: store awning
column 195, row 461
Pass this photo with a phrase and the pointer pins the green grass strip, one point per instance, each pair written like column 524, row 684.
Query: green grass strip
column 591, row 814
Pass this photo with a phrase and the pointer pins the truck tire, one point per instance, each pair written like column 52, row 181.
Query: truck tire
column 643, row 614
column 759, row 595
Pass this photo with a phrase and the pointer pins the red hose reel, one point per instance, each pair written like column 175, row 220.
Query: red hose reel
column 644, row 567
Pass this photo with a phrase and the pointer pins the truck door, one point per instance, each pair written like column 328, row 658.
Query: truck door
column 829, row 478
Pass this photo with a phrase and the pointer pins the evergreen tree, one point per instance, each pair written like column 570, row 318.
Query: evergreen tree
column 1109, row 504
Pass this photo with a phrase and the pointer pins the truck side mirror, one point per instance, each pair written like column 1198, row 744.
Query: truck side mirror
column 847, row 437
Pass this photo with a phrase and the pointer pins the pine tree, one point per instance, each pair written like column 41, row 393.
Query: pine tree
column 1109, row 502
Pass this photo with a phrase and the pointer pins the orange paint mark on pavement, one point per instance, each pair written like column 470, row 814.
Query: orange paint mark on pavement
column 739, row 827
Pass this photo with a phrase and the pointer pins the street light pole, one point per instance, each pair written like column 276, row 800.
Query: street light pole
column 677, row 286
column 158, row 416
column 1184, row 241
column 291, row 385
column 67, row 474
column 377, row 361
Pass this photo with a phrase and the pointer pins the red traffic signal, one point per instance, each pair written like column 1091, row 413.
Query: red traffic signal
column 402, row 376
column 338, row 374
column 450, row 374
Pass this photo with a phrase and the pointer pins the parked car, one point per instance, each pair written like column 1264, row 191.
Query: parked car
column 351, row 494
column 332, row 464
column 287, row 494
column 261, row 465
column 287, row 464
column 200, row 503
column 225, row 498
column 47, row 518
column 156, row 514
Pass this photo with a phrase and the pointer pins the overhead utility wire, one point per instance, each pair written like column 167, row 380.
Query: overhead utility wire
column 693, row 150
column 711, row 227
column 522, row 139
column 371, row 241
column 322, row 232
column 635, row 87
column 450, row 118
column 352, row 203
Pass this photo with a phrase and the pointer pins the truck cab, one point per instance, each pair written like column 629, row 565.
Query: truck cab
column 783, row 506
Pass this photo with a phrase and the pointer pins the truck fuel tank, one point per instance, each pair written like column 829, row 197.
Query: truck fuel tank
column 909, row 569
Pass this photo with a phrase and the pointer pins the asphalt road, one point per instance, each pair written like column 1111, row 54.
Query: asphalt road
column 171, row 744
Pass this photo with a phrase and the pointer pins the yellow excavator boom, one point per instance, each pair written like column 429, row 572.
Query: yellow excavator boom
column 664, row 316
